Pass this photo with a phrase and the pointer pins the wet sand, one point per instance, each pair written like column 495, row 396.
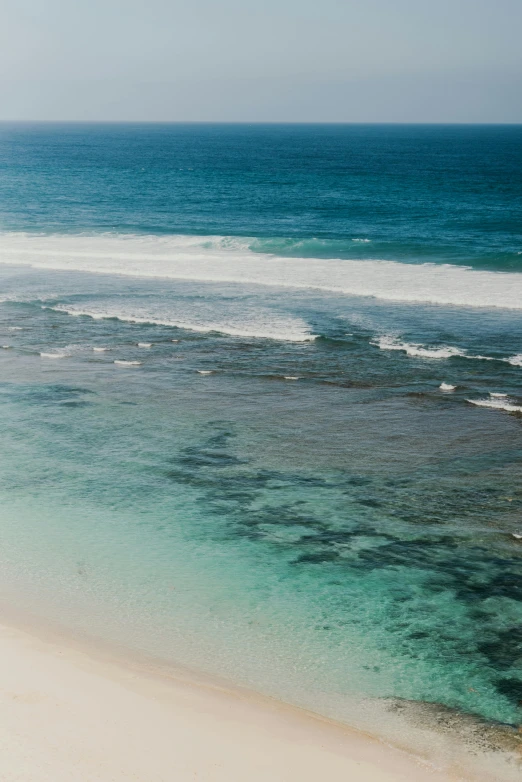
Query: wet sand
column 69, row 715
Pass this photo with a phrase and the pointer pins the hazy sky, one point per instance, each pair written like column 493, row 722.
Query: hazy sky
column 275, row 60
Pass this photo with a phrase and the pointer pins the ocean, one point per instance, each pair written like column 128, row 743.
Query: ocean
column 261, row 406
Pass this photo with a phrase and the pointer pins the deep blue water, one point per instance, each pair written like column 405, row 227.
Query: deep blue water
column 274, row 485
column 438, row 193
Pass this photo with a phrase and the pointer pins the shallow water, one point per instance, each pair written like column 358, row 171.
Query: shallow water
column 255, row 472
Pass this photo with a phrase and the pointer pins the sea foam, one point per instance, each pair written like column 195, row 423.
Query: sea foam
column 416, row 349
column 229, row 259
column 496, row 404
column 258, row 323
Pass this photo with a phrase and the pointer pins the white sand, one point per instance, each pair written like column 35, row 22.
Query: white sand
column 66, row 716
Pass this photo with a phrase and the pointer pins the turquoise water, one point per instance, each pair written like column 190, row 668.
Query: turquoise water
column 273, row 486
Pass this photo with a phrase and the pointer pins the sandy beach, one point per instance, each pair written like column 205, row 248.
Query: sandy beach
column 66, row 715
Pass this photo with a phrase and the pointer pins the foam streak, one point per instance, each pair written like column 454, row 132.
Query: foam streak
column 226, row 259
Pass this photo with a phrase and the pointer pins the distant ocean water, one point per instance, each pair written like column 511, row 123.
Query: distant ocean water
column 262, row 407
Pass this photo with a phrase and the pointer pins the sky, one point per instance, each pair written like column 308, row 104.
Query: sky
column 269, row 61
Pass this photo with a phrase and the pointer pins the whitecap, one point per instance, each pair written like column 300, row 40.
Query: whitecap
column 496, row 395
column 496, row 404
column 291, row 377
column 204, row 371
column 447, row 387
column 123, row 363
column 417, row 349
column 144, row 344
column 52, row 355
column 260, row 325
column 6, row 347
column 100, row 350
column 515, row 361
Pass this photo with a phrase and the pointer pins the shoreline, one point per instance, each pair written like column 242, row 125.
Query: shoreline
column 72, row 713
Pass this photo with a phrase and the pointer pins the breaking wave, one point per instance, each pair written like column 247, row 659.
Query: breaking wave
column 415, row 349
column 240, row 260
column 497, row 404
column 258, row 324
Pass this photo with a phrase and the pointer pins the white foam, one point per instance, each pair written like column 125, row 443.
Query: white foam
column 496, row 395
column 258, row 324
column 416, row 349
column 15, row 328
column 123, row 363
column 144, row 344
column 496, row 404
column 6, row 347
column 68, row 351
column 515, row 361
column 228, row 259
column 204, row 371
column 447, row 387
column 100, row 350
column 291, row 377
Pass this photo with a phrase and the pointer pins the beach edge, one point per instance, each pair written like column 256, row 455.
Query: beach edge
column 72, row 712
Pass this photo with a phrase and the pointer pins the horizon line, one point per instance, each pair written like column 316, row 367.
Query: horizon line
column 249, row 122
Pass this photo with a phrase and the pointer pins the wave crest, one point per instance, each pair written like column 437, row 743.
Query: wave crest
column 260, row 325
column 416, row 349
column 240, row 260
column 496, row 404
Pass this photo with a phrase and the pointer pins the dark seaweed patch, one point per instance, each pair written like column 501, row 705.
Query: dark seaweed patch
column 201, row 458
column 371, row 523
column 507, row 583
column 511, row 688
column 43, row 395
column 317, row 558
column 504, row 650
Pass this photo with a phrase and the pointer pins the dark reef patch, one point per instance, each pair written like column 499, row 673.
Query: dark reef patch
column 504, row 649
column 416, row 532
column 45, row 394
column 512, row 689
